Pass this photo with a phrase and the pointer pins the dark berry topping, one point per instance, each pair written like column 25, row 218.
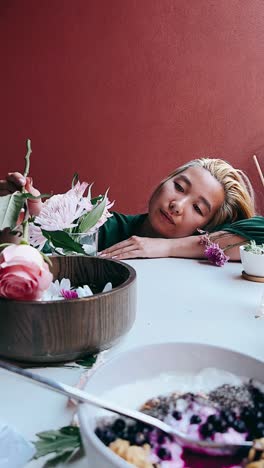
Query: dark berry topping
column 207, row 430
column 259, row 415
column 119, row 426
column 228, row 416
column 239, row 425
column 108, row 436
column 259, row 430
column 163, row 453
column 195, row 419
column 161, row 439
column 177, row 415
column 140, row 439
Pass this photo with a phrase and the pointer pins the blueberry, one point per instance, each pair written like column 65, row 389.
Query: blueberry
column 131, row 433
column 140, row 439
column 161, row 439
column 119, row 426
column 247, row 415
column 108, row 436
column 218, row 423
column 195, row 419
column 259, row 415
column 99, row 432
column 239, row 425
column 228, row 416
column 163, row 453
column 259, row 431
column 177, row 415
column 207, row 430
column 260, row 405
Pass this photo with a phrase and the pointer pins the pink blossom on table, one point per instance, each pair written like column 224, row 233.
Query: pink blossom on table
column 69, row 294
column 24, row 275
column 216, row 255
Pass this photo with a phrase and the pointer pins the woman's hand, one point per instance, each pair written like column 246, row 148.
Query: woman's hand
column 138, row 247
column 15, row 181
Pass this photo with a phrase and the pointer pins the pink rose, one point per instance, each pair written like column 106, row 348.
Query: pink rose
column 24, row 274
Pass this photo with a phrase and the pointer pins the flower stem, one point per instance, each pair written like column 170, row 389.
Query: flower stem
column 27, row 158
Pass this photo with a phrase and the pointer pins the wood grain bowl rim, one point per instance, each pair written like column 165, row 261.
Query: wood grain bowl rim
column 124, row 285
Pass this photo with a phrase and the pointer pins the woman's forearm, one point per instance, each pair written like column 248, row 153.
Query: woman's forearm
column 191, row 247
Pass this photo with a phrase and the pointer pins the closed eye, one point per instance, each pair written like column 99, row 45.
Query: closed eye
column 178, row 187
column 198, row 210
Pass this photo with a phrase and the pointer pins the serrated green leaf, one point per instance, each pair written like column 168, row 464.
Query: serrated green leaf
column 61, row 239
column 90, row 219
column 59, row 444
column 57, row 460
column 48, row 435
column 10, row 207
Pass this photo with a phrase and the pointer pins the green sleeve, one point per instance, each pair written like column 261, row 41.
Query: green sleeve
column 118, row 228
column 251, row 229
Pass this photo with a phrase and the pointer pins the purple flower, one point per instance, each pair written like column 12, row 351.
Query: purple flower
column 69, row 294
column 215, row 254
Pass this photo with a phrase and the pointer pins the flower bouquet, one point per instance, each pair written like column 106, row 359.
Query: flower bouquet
column 66, row 224
column 60, row 307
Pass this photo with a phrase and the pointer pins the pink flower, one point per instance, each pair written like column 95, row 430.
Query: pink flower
column 36, row 237
column 69, row 294
column 61, row 211
column 215, row 254
column 24, row 275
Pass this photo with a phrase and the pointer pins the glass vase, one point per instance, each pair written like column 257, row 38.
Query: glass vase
column 88, row 240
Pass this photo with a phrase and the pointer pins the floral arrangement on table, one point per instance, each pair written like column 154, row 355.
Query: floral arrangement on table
column 24, row 267
column 254, row 248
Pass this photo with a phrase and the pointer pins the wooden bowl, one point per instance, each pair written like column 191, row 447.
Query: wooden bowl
column 52, row 331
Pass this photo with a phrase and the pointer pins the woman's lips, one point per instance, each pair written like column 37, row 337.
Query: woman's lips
column 167, row 217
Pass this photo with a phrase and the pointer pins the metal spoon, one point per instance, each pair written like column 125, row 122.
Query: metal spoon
column 202, row 446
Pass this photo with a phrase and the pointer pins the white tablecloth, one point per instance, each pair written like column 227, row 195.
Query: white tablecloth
column 178, row 300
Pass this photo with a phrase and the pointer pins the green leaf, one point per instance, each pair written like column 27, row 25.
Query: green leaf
column 87, row 361
column 10, row 207
column 90, row 219
column 57, row 441
column 63, row 458
column 61, row 239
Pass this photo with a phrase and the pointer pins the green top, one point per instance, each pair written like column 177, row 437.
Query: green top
column 120, row 227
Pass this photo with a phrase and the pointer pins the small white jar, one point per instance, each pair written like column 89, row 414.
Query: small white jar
column 253, row 264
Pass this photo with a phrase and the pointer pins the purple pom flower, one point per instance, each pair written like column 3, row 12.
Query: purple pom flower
column 216, row 255
column 68, row 294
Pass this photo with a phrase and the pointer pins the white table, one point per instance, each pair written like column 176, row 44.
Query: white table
column 178, row 300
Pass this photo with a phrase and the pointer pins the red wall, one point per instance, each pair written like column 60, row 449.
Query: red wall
column 123, row 91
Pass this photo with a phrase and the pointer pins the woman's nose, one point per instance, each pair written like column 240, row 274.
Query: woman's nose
column 176, row 207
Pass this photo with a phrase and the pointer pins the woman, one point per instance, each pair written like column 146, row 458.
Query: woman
column 207, row 194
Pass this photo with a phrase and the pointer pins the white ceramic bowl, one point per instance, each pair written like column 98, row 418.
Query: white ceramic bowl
column 253, row 264
column 134, row 368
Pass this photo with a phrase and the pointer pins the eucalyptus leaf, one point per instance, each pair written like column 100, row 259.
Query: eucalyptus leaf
column 10, row 207
column 61, row 239
column 59, row 442
column 90, row 219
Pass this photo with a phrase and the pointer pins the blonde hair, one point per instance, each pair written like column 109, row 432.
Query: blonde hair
column 239, row 194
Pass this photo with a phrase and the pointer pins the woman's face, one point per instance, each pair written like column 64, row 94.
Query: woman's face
column 185, row 202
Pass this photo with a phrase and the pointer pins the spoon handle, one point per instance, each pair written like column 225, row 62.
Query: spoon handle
column 84, row 397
